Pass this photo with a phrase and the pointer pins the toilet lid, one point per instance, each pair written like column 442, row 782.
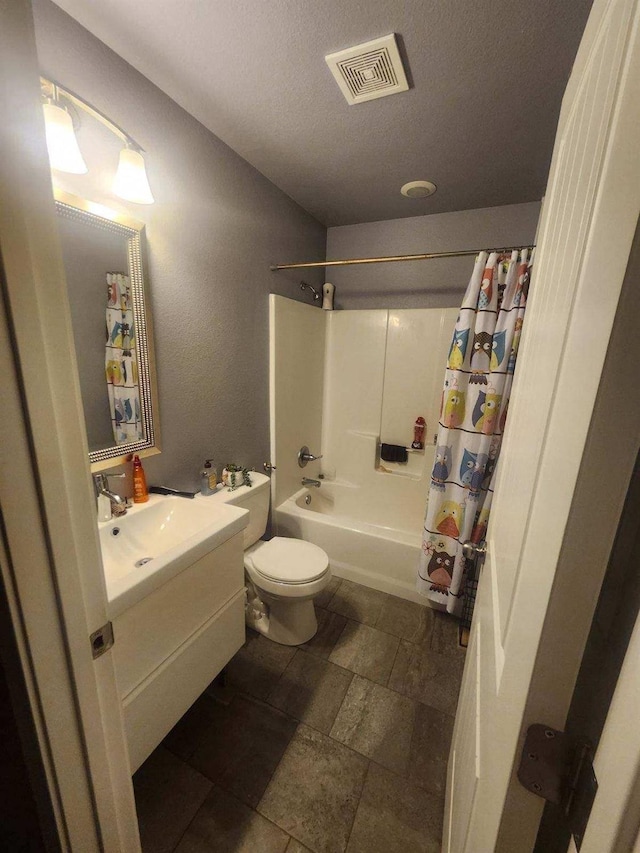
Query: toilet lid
column 290, row 560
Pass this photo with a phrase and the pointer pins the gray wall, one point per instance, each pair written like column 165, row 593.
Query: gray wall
column 436, row 283
column 216, row 226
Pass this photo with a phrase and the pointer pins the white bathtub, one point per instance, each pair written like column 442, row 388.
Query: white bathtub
column 372, row 536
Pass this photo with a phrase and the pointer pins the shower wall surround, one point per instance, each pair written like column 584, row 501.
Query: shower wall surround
column 383, row 369
column 341, row 382
column 215, row 228
column 297, row 336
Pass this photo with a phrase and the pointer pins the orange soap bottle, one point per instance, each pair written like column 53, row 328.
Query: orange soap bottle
column 140, row 491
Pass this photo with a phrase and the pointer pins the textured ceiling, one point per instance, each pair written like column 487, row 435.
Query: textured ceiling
column 479, row 119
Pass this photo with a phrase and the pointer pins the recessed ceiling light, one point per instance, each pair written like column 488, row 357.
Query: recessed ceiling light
column 418, row 189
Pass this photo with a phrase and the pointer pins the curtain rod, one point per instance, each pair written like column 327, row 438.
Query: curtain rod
column 390, row 258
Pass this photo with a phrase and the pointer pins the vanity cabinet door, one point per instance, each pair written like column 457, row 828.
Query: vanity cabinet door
column 155, row 627
column 156, row 705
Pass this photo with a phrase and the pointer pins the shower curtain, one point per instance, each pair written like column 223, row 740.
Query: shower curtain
column 121, row 365
column 475, row 399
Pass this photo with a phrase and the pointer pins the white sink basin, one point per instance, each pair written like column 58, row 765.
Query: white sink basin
column 156, row 540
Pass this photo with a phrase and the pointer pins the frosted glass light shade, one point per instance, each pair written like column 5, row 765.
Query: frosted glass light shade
column 64, row 153
column 131, row 181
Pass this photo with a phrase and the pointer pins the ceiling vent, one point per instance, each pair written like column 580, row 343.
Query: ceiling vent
column 370, row 70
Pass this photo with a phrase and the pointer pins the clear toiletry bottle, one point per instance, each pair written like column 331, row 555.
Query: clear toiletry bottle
column 208, row 478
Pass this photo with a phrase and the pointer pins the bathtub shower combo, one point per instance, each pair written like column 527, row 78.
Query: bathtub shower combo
column 366, row 541
column 345, row 382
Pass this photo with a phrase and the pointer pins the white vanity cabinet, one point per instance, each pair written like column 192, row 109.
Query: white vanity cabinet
column 174, row 641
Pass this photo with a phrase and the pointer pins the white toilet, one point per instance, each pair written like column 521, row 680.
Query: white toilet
column 283, row 575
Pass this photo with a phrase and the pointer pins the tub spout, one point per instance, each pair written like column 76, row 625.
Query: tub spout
column 308, row 482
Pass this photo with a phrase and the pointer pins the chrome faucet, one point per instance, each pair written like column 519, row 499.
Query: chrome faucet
column 101, row 487
column 305, row 286
column 305, row 455
column 306, row 481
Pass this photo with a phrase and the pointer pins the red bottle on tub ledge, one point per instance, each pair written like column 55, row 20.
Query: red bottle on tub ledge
column 418, row 434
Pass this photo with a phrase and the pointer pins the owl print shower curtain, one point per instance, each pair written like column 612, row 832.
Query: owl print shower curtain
column 474, row 406
column 121, row 363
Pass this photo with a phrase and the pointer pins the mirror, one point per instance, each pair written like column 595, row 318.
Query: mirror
column 103, row 255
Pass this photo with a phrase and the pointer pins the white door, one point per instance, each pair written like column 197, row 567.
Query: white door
column 569, row 448
column 49, row 556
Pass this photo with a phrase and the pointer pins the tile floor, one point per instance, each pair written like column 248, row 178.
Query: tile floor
column 339, row 745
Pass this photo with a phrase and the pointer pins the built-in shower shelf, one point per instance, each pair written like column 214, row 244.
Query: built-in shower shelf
column 408, row 449
column 395, row 472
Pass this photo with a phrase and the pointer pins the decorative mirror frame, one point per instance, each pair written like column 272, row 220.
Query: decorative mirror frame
column 97, row 216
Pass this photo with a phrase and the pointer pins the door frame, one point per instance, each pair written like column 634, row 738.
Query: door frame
column 615, row 818
column 49, row 552
column 616, row 785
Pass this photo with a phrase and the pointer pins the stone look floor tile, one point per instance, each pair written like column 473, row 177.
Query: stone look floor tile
column 358, row 602
column 406, row 619
column 430, row 747
column 427, row 676
column 327, row 593
column 330, row 626
column 314, row 782
column 396, row 817
column 315, row 791
column 444, row 637
column 376, row 722
column 311, row 689
column 243, row 746
column 258, row 665
column 366, row 651
column 294, row 846
column 168, row 795
column 224, row 824
column 188, row 732
column 221, row 690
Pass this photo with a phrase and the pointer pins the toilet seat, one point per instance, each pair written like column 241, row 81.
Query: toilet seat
column 289, row 561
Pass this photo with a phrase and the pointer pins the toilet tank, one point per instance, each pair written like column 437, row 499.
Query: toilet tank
column 255, row 498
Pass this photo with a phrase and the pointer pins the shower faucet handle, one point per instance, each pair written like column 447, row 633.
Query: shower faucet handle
column 305, row 455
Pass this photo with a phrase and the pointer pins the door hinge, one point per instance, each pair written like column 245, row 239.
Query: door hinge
column 101, row 640
column 559, row 768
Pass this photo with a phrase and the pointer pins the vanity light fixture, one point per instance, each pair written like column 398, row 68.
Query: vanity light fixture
column 62, row 145
column 130, row 182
